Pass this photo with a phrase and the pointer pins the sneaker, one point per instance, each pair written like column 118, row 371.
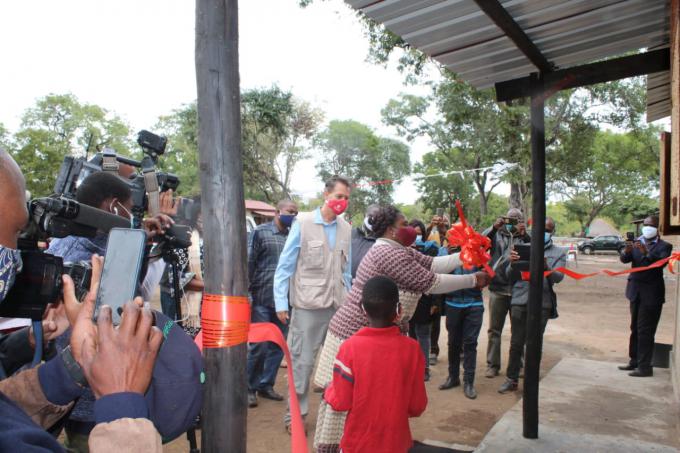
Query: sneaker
column 433, row 359
column 508, row 386
column 491, row 372
column 427, row 375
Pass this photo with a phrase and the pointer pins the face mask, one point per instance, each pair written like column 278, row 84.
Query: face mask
column 649, row 232
column 406, row 236
column 10, row 266
column 367, row 224
column 337, row 206
column 419, row 238
column 286, row 219
column 547, row 237
column 509, row 228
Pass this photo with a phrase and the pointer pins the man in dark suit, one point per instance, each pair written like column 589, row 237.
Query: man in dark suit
column 646, row 293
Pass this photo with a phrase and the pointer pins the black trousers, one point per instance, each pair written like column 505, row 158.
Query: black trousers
column 463, row 325
column 434, row 335
column 644, row 319
column 518, row 337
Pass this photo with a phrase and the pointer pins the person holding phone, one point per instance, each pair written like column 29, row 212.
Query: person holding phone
column 505, row 233
column 553, row 257
column 646, row 292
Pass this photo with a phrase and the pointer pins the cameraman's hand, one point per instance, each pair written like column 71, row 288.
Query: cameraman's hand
column 157, row 225
column 169, row 204
column 498, row 224
column 514, row 256
column 80, row 314
column 121, row 360
column 629, row 247
column 54, row 323
column 483, row 279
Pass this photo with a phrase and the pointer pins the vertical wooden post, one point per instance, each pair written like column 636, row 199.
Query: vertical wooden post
column 535, row 306
column 221, row 173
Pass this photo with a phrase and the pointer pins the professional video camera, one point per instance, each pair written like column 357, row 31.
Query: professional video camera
column 39, row 282
column 145, row 186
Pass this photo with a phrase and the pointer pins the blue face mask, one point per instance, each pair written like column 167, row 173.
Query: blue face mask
column 509, row 227
column 287, row 219
column 547, row 237
column 419, row 238
column 10, row 266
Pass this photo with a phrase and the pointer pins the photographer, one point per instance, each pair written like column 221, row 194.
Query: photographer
column 646, row 292
column 119, row 374
column 553, row 257
column 110, row 193
column 505, row 233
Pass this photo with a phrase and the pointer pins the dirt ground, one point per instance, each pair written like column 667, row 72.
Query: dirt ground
column 593, row 323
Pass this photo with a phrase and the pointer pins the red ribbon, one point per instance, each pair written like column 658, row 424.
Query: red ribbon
column 224, row 320
column 671, row 260
column 265, row 331
column 473, row 246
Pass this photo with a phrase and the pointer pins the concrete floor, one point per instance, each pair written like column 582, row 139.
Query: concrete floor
column 591, row 406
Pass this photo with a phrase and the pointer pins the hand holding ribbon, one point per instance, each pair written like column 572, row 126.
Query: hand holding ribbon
column 474, row 247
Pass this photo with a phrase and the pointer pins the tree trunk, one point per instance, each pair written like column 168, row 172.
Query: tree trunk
column 221, row 173
column 516, row 199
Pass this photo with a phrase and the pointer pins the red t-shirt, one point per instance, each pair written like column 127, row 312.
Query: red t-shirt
column 378, row 377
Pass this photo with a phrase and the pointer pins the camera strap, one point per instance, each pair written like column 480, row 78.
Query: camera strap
column 151, row 186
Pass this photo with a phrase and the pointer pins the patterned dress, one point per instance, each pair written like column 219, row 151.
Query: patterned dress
column 412, row 273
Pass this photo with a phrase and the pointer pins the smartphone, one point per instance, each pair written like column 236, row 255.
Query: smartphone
column 524, row 251
column 122, row 266
column 630, row 236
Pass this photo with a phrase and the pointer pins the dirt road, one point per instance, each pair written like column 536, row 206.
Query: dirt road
column 593, row 323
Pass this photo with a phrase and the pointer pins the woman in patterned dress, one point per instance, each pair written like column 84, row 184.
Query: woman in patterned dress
column 415, row 275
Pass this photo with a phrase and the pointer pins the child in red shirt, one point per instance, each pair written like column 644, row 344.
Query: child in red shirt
column 378, row 377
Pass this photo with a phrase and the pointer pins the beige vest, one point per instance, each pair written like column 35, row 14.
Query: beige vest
column 317, row 282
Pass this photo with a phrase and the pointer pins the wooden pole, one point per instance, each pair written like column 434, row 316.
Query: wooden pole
column 223, row 207
column 535, row 305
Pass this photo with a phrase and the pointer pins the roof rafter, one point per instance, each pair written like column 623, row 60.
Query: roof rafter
column 502, row 18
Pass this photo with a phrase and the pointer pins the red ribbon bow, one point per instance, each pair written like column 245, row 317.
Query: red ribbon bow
column 473, row 246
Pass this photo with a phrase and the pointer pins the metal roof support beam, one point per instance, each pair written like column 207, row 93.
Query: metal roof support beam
column 589, row 74
column 502, row 18
column 534, row 335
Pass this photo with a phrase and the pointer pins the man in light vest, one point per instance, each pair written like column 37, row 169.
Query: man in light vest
column 313, row 277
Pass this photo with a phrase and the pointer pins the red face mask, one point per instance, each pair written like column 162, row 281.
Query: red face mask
column 406, row 236
column 337, row 206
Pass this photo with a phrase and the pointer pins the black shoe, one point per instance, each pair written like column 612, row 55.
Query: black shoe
column 627, row 367
column 469, row 390
column 508, row 386
column 450, row 383
column 491, row 372
column 252, row 399
column 638, row 372
column 427, row 376
column 270, row 394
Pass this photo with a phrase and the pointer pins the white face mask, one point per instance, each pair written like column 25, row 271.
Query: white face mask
column 367, row 224
column 649, row 232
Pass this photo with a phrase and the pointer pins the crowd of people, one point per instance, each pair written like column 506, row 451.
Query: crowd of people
column 347, row 298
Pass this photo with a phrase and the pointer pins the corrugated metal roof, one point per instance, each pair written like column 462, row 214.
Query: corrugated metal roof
column 658, row 95
column 461, row 37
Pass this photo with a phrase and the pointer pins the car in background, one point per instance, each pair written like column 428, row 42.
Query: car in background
column 608, row 243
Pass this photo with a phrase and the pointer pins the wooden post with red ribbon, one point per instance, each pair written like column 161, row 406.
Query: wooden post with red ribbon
column 225, row 316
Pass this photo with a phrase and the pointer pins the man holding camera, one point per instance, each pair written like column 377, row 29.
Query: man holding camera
column 118, row 370
column 646, row 292
column 510, row 269
column 505, row 233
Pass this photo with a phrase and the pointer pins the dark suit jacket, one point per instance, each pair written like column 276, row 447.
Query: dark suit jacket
column 648, row 286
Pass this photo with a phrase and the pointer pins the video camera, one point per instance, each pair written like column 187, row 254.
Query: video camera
column 39, row 281
column 145, row 186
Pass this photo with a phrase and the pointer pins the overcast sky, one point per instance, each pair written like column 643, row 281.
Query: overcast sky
column 136, row 58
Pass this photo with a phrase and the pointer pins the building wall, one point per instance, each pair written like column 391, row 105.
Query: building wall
column 673, row 288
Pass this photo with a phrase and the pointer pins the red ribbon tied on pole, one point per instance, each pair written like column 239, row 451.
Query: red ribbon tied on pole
column 474, row 247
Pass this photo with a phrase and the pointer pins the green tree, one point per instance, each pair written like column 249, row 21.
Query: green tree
column 58, row 126
column 616, row 169
column 277, row 131
column 353, row 150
